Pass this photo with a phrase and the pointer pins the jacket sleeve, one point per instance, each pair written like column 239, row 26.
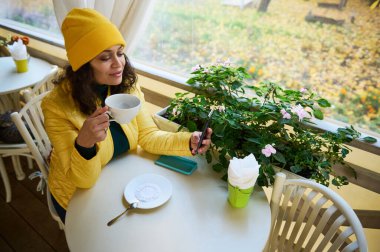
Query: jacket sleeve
column 62, row 133
column 157, row 141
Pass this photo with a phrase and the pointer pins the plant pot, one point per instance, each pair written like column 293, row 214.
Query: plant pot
column 165, row 124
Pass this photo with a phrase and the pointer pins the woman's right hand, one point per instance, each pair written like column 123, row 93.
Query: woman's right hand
column 94, row 129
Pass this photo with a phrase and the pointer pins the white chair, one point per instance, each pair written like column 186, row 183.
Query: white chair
column 38, row 143
column 307, row 216
column 43, row 86
column 16, row 150
column 12, row 150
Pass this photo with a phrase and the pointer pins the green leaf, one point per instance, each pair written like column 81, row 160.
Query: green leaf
column 218, row 130
column 279, row 157
column 225, row 177
column 323, row 103
column 191, row 125
column 318, row 114
column 217, row 167
column 369, row 139
column 339, row 181
column 295, row 168
column 190, row 81
column 208, row 156
column 324, row 164
column 344, row 152
column 253, row 140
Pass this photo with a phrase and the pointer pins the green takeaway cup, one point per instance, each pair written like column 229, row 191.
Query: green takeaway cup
column 21, row 65
column 237, row 197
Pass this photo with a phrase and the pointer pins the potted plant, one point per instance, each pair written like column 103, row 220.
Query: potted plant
column 274, row 124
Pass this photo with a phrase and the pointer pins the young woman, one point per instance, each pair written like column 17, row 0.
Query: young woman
column 83, row 138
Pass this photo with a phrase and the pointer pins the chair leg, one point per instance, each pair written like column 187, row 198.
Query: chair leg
column 60, row 225
column 30, row 162
column 20, row 175
column 5, row 178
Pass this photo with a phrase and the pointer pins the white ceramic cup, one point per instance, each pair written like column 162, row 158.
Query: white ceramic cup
column 123, row 107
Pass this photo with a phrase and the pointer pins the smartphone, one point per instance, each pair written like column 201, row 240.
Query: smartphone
column 178, row 164
column 205, row 126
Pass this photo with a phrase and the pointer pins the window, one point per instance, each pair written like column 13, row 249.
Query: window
column 32, row 17
column 340, row 61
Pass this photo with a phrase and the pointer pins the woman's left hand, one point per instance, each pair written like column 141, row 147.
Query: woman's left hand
column 194, row 140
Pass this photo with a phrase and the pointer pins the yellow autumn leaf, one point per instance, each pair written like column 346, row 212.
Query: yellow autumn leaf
column 373, row 6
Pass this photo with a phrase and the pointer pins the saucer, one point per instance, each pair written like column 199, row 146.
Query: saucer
column 150, row 190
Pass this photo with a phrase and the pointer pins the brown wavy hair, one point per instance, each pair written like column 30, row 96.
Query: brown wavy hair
column 83, row 84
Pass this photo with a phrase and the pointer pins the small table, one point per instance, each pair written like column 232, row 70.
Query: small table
column 11, row 82
column 197, row 217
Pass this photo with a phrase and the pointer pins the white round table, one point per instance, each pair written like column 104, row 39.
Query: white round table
column 11, row 81
column 197, row 217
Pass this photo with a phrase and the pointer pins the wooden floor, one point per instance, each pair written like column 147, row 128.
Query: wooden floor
column 25, row 222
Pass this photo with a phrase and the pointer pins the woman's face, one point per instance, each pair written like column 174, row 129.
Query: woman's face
column 108, row 66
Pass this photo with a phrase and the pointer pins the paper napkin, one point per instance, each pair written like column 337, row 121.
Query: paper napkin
column 18, row 50
column 243, row 173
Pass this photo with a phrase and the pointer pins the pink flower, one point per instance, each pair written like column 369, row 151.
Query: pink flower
column 285, row 114
column 268, row 150
column 221, row 108
column 303, row 90
column 197, row 67
column 299, row 110
column 227, row 63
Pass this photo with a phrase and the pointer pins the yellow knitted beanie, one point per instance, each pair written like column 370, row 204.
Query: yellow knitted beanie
column 87, row 33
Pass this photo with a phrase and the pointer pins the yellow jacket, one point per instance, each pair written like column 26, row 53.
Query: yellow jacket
column 69, row 170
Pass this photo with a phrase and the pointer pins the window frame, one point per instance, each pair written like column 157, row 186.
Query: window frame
column 179, row 81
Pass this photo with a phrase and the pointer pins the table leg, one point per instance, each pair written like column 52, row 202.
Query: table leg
column 5, row 103
column 10, row 102
column 15, row 99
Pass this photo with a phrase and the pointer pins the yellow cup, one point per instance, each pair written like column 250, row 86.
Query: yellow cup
column 237, row 197
column 21, row 65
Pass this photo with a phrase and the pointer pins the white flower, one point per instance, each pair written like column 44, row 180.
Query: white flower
column 175, row 112
column 220, row 108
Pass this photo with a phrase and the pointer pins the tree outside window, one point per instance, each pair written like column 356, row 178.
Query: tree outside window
column 337, row 53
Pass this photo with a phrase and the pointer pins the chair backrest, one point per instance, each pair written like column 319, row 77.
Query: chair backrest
column 30, row 123
column 307, row 216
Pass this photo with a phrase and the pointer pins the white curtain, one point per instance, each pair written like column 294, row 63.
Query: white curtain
column 130, row 16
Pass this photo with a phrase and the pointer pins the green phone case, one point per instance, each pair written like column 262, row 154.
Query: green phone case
column 178, row 164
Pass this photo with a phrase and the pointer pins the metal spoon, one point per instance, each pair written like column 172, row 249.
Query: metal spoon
column 131, row 206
